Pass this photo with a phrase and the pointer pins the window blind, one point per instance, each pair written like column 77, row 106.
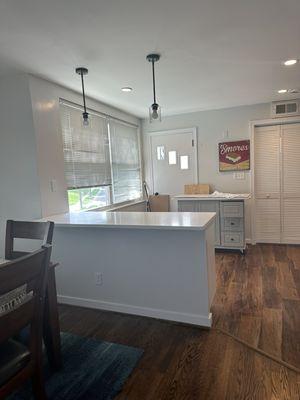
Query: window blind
column 125, row 158
column 86, row 149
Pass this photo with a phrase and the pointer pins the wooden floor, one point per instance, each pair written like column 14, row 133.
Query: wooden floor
column 257, row 299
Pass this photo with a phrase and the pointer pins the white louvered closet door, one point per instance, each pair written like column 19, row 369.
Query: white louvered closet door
column 290, row 205
column 267, row 184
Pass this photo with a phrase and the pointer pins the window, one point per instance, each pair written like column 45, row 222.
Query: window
column 125, row 157
column 89, row 198
column 102, row 163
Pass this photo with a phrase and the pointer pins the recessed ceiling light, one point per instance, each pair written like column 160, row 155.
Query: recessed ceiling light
column 290, row 62
column 126, row 89
column 282, row 91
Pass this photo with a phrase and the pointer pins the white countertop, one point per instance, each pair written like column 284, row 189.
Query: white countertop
column 137, row 220
column 212, row 197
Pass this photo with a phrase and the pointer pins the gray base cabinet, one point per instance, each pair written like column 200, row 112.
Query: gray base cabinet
column 229, row 223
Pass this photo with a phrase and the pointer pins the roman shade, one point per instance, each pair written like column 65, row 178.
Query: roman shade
column 125, row 159
column 86, row 149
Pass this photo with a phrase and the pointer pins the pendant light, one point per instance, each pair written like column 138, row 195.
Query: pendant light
column 154, row 109
column 85, row 115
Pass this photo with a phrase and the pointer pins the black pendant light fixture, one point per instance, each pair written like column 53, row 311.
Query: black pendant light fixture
column 85, row 115
column 154, row 109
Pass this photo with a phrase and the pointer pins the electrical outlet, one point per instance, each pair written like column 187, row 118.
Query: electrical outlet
column 239, row 175
column 98, row 278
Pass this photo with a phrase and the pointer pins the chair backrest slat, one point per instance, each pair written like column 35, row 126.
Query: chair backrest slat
column 26, row 230
column 30, row 272
column 16, row 273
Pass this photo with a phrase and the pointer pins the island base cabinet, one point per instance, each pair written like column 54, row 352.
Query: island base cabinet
column 203, row 206
column 229, row 222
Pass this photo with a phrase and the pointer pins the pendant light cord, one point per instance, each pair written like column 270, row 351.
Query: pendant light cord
column 153, row 80
column 83, row 92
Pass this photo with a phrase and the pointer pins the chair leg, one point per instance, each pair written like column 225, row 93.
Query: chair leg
column 51, row 324
column 38, row 385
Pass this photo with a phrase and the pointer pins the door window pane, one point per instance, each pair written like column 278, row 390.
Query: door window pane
column 172, row 158
column 184, row 162
column 160, row 152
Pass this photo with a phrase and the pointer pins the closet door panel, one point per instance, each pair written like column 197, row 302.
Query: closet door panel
column 267, row 220
column 291, row 160
column 291, row 221
column 290, row 183
column 267, row 184
column 267, row 161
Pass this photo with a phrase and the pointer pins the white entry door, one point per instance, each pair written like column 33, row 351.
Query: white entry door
column 174, row 160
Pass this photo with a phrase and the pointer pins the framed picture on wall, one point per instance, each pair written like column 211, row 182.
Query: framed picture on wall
column 234, row 156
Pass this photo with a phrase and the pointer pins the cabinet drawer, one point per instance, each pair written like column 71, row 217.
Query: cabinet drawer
column 232, row 239
column 232, row 209
column 232, row 224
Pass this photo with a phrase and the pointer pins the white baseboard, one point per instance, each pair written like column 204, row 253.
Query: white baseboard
column 194, row 319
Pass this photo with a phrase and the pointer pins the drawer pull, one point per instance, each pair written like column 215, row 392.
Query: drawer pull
column 232, row 223
column 232, row 239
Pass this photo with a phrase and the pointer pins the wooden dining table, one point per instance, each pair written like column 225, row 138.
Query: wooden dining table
column 51, row 328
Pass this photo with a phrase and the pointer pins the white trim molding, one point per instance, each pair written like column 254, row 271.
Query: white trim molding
column 194, row 319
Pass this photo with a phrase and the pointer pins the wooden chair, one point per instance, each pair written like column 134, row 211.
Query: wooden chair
column 42, row 231
column 18, row 362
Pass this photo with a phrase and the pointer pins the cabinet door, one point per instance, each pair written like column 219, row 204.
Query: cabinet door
column 212, row 206
column 267, row 184
column 290, row 208
column 188, row 206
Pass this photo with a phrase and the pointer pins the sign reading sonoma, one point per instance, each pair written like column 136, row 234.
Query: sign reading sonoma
column 234, row 156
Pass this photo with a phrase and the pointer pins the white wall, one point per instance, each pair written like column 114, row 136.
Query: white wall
column 31, row 147
column 45, row 97
column 19, row 186
column 211, row 126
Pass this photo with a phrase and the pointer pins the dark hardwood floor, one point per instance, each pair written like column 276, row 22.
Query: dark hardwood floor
column 257, row 300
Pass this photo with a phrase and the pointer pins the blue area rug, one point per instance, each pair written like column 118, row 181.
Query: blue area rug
column 93, row 370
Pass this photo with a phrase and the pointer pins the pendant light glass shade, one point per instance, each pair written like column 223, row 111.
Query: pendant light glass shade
column 85, row 119
column 154, row 113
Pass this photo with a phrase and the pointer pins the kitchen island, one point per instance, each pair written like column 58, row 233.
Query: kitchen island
column 159, row 265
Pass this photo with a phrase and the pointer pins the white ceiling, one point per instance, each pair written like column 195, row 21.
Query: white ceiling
column 215, row 53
